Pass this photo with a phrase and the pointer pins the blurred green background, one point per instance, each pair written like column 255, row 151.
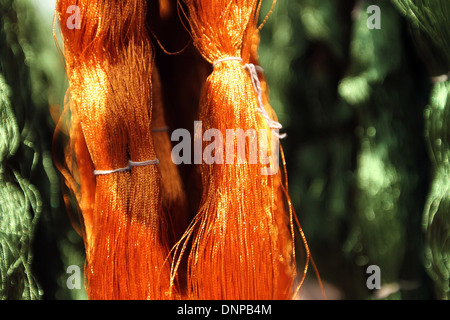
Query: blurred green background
column 353, row 100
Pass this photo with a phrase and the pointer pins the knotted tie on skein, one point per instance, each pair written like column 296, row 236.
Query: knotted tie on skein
column 109, row 65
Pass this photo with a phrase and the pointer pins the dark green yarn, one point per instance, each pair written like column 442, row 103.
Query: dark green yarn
column 20, row 208
column 430, row 21
column 431, row 17
column 36, row 238
column 437, row 210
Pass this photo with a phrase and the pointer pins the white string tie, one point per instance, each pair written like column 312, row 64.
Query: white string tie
column 273, row 125
column 143, row 163
column 131, row 164
column 106, row 172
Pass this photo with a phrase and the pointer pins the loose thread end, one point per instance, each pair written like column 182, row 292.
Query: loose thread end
column 253, row 70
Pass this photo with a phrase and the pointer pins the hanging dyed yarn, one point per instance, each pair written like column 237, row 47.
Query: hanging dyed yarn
column 109, row 65
column 239, row 239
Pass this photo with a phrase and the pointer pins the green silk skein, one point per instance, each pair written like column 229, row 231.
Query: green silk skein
column 430, row 20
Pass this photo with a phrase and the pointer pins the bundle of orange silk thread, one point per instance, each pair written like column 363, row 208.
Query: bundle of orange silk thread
column 109, row 68
column 238, row 243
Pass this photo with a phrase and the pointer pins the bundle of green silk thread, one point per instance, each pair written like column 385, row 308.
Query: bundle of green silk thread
column 20, row 203
column 430, row 23
column 30, row 211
